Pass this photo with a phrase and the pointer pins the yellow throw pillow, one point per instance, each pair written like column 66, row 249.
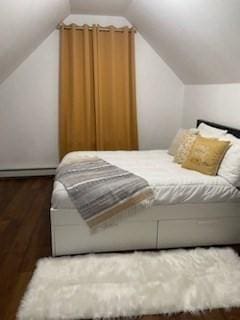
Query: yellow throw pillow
column 206, row 155
column 184, row 147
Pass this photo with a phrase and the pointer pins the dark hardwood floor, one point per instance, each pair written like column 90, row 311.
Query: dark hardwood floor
column 25, row 237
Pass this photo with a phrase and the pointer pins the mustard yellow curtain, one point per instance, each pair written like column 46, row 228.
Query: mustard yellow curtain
column 77, row 127
column 97, row 89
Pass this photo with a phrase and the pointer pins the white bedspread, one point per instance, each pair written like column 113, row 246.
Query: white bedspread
column 171, row 183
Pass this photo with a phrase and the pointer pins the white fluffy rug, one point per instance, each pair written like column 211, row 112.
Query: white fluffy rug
column 103, row 286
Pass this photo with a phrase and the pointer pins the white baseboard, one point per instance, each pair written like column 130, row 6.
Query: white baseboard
column 27, row 172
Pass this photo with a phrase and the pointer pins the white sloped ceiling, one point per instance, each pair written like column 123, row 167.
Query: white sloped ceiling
column 101, row 7
column 24, row 24
column 198, row 39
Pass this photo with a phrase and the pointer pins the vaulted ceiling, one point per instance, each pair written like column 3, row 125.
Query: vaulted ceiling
column 24, row 24
column 198, row 39
column 101, row 7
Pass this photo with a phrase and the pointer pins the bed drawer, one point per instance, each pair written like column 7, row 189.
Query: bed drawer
column 70, row 239
column 181, row 233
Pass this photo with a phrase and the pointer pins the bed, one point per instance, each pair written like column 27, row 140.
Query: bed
column 188, row 209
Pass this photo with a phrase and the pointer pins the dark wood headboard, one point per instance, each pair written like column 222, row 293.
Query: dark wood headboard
column 233, row 131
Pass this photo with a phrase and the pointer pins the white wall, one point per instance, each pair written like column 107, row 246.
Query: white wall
column 218, row 103
column 28, row 110
column 29, row 102
column 159, row 98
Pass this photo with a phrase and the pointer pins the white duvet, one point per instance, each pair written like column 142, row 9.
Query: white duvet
column 171, row 183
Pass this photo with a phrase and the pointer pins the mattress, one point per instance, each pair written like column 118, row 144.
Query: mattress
column 171, row 183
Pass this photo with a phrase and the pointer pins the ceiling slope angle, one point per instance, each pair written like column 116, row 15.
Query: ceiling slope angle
column 198, row 39
column 99, row 7
column 24, row 24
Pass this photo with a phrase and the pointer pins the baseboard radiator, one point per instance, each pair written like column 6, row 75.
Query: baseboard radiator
column 32, row 172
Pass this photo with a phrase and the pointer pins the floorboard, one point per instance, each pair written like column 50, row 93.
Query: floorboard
column 25, row 238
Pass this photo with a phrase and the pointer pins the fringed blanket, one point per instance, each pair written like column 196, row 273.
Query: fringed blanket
column 100, row 190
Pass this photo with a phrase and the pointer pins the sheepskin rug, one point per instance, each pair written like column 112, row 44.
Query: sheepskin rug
column 114, row 285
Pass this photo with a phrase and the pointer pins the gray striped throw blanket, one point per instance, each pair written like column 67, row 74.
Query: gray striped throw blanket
column 100, row 190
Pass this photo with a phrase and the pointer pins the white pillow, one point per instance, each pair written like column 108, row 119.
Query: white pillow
column 231, row 138
column 230, row 166
column 210, row 132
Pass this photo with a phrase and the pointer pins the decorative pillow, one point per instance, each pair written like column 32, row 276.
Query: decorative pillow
column 176, row 141
column 185, row 147
column 230, row 166
column 206, row 155
column 179, row 138
column 208, row 131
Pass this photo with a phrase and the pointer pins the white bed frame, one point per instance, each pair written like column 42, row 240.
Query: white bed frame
column 182, row 225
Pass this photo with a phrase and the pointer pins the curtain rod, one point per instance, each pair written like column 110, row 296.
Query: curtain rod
column 108, row 28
